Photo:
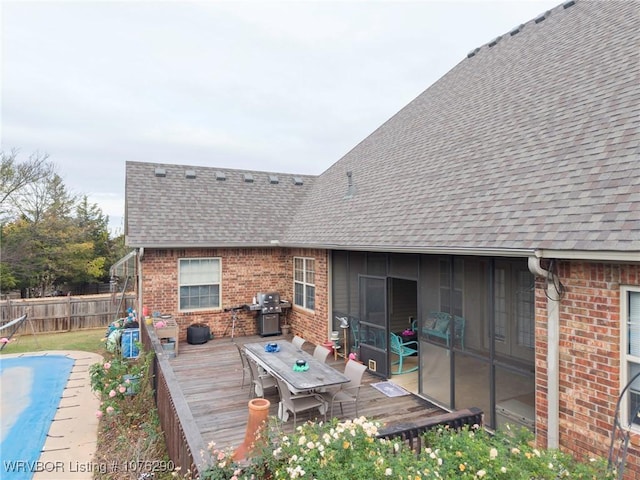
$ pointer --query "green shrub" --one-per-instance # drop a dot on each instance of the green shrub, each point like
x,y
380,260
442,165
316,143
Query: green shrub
x,y
350,449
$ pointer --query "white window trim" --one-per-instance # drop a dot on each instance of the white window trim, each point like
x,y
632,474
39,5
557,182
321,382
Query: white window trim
x,y
219,307
626,358
303,283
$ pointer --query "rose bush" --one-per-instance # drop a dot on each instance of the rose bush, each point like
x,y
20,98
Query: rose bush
x,y
116,379
350,449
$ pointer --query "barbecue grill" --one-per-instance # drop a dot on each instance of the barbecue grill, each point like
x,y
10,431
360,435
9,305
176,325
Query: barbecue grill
x,y
269,302
269,308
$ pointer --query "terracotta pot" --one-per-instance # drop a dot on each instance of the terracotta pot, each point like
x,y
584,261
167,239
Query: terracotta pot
x,y
258,413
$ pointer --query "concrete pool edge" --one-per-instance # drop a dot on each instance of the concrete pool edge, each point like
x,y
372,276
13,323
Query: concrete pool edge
x,y
69,450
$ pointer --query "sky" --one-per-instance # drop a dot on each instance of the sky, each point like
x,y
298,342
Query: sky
x,y
285,87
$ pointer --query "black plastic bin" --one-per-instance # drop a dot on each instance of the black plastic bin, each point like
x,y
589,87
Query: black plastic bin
x,y
198,334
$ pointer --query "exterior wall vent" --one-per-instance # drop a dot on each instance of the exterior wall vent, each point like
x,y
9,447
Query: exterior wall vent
x,y
160,172
190,174
495,41
248,178
518,29
220,176
273,179
298,181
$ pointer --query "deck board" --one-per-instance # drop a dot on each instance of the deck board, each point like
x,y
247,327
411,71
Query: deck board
x,y
210,376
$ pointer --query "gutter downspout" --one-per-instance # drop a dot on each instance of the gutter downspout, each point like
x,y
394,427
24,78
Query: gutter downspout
x,y
139,279
553,355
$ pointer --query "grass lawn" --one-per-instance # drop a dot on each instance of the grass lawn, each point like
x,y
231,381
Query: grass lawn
x,y
83,340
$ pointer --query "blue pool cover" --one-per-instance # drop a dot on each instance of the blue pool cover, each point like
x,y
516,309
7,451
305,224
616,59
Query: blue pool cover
x,y
31,390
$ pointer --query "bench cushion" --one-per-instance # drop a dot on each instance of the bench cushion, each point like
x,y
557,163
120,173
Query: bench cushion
x,y
441,325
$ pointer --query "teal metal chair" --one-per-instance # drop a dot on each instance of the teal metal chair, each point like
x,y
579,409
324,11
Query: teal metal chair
x,y
402,350
355,335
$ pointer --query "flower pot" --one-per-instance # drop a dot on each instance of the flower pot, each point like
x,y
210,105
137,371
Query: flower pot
x,y
285,329
258,413
198,334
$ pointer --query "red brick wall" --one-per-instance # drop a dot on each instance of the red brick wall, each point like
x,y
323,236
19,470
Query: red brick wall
x,y
313,326
589,358
245,272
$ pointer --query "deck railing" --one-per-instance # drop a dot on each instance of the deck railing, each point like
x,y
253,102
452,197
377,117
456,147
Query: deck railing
x,y
412,433
184,443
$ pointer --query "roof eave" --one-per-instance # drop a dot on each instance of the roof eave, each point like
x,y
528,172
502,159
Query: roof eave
x,y
185,245
477,251
591,255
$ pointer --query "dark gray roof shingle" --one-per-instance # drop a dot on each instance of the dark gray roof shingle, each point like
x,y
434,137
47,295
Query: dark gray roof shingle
x,y
530,143
176,211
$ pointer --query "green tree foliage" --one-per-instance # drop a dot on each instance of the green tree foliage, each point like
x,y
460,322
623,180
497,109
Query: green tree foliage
x,y
94,225
49,237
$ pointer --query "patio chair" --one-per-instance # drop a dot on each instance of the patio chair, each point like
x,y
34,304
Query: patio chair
x,y
296,403
350,391
245,364
297,342
402,350
321,353
260,379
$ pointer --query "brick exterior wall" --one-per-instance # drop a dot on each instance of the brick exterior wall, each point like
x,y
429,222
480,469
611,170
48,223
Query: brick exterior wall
x,y
589,358
245,272
313,326
589,329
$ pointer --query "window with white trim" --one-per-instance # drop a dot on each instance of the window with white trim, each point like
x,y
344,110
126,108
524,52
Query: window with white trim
x,y
304,277
630,316
199,283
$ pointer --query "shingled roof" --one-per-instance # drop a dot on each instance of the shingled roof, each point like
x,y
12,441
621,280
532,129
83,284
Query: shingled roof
x,y
531,142
179,206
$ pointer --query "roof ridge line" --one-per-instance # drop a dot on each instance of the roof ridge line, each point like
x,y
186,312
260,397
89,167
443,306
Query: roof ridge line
x,y
518,28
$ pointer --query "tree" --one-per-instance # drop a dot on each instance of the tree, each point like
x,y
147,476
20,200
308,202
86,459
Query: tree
x,y
50,238
48,196
94,226
15,176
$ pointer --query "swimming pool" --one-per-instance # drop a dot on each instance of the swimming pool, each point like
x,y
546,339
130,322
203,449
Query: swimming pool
x,y
30,392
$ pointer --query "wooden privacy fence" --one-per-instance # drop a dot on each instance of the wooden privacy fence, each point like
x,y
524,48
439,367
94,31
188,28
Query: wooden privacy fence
x,y
63,314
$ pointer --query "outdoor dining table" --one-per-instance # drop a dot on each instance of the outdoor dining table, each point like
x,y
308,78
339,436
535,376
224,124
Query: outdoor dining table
x,y
281,363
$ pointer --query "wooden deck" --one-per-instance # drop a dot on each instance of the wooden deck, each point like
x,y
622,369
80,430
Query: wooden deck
x,y
210,376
